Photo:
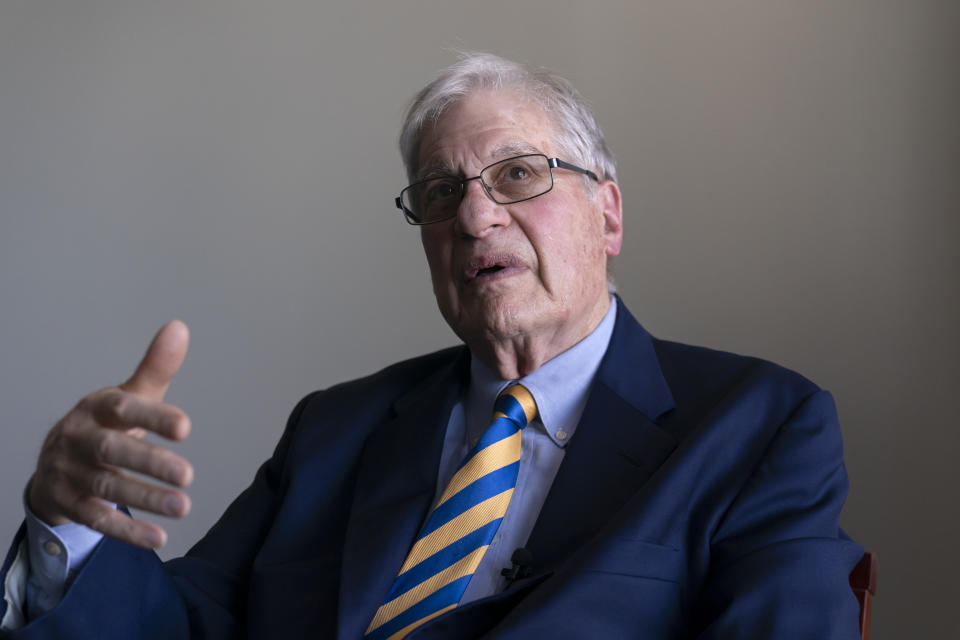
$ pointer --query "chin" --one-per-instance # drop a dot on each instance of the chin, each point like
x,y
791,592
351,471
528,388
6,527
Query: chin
x,y
491,318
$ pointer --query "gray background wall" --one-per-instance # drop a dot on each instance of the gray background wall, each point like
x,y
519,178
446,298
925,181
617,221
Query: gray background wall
x,y
789,170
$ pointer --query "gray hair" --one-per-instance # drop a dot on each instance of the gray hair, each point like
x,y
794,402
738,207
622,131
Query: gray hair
x,y
578,134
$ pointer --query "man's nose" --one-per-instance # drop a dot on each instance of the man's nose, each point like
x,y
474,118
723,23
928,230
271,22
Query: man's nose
x,y
478,213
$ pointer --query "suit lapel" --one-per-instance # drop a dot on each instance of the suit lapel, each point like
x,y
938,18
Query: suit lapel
x,y
616,448
396,483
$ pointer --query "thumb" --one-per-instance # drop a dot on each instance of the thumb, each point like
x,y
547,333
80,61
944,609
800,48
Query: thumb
x,y
161,361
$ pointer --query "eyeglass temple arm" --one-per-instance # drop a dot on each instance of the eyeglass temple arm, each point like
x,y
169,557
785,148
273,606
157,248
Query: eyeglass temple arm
x,y
557,162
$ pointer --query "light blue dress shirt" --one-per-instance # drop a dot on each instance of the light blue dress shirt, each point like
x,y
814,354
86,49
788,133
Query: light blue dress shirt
x,y
560,387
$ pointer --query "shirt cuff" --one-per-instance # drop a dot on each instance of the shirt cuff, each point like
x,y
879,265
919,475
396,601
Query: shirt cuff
x,y
14,590
56,554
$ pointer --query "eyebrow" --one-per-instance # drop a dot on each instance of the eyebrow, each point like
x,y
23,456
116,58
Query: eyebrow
x,y
509,149
436,169
439,168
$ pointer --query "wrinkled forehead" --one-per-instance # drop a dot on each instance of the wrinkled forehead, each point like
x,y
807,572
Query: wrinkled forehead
x,y
439,165
482,128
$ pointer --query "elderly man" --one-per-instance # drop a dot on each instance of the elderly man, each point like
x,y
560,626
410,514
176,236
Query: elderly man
x,y
625,487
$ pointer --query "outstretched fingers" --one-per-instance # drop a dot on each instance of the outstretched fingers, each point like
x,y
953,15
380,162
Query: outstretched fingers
x,y
119,409
106,519
86,457
161,362
117,449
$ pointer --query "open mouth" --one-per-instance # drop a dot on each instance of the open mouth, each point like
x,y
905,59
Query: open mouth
x,y
491,266
489,270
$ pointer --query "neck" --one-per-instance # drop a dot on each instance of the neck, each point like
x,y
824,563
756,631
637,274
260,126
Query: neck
x,y
513,357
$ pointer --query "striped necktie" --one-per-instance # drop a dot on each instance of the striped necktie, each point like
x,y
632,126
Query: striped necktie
x,y
460,527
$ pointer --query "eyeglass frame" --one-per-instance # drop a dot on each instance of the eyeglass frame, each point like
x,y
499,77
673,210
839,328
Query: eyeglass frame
x,y
552,163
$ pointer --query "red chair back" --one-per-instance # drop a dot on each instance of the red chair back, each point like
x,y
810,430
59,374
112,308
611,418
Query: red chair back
x,y
863,581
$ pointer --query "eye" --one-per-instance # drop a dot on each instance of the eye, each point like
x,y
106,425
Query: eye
x,y
440,190
516,172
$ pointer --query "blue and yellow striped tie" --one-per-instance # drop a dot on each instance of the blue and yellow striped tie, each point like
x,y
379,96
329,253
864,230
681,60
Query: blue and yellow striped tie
x,y
460,527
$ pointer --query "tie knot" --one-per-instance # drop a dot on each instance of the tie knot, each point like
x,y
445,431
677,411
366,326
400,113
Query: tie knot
x,y
516,403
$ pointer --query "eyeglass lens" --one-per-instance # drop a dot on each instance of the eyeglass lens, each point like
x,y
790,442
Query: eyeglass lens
x,y
507,181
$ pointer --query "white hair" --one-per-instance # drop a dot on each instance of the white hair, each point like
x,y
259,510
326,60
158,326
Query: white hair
x,y
577,133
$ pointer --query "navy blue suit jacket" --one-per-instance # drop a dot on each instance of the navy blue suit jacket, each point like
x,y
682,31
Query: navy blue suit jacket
x,y
698,498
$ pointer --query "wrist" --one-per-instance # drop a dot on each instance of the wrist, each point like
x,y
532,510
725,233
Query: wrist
x,y
39,507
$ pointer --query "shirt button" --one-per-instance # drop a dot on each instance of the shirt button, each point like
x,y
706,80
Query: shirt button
x,y
52,548
561,434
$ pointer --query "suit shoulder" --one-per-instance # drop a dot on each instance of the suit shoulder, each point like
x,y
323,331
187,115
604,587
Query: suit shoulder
x,y
700,372
385,386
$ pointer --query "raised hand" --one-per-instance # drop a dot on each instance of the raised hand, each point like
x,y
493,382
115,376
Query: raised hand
x,y
86,457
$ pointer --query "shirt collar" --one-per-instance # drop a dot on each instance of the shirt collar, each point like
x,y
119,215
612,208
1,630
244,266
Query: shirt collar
x,y
560,387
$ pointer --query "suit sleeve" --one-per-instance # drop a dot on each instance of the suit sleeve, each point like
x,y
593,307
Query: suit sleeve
x,y
125,592
779,562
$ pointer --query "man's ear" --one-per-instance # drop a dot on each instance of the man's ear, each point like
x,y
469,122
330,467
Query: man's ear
x,y
608,198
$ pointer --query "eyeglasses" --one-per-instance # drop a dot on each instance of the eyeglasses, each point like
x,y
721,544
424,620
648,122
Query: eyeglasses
x,y
505,182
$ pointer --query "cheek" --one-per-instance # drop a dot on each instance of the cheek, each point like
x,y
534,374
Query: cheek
x,y
579,258
571,244
438,255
